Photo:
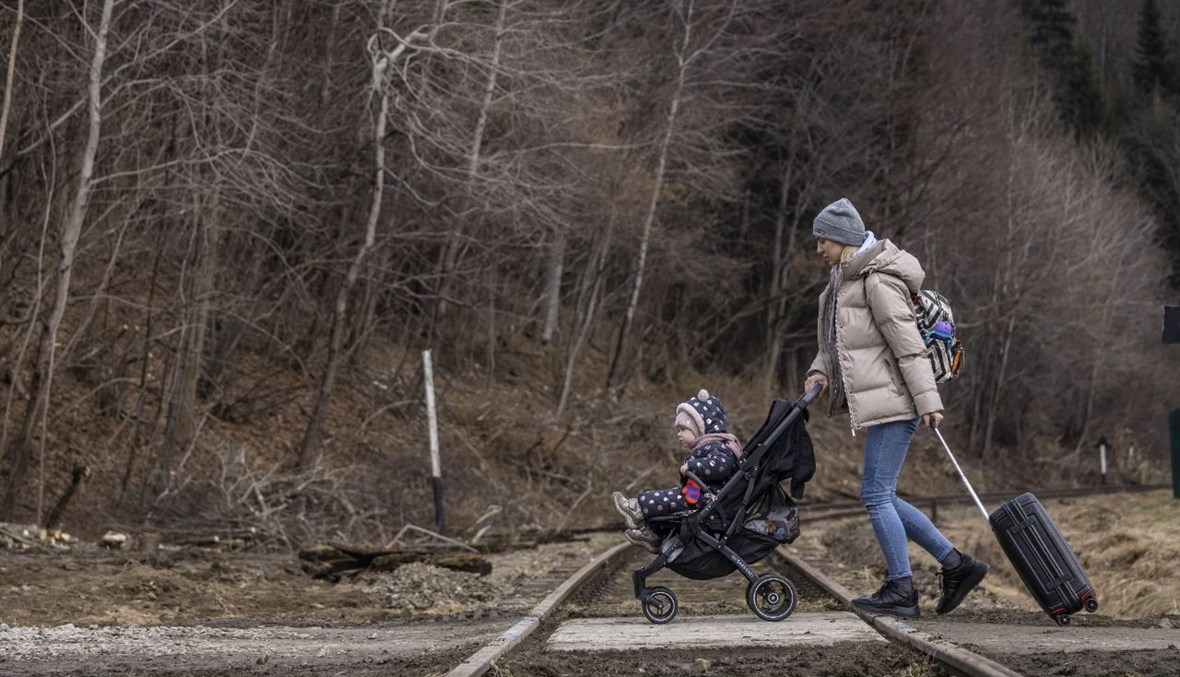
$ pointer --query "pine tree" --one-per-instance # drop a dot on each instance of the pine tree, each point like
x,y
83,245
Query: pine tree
x,y
1152,68
1152,141
1068,64
1050,26
1084,107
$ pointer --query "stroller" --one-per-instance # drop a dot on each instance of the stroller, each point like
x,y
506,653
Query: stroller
x,y
748,517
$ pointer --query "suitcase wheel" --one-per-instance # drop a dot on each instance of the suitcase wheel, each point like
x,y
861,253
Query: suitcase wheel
x,y
1062,619
1091,605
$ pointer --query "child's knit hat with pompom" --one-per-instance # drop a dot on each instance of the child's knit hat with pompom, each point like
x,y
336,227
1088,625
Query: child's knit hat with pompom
x,y
702,414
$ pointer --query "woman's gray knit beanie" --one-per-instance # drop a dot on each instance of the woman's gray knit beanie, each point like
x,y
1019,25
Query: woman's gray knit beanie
x,y
840,222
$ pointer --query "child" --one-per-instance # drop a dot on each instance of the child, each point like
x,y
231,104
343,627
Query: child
x,y
701,426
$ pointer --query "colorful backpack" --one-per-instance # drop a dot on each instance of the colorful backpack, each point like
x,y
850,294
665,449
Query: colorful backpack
x,y
936,324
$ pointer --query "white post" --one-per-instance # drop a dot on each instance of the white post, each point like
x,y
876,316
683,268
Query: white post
x,y
432,419
1102,460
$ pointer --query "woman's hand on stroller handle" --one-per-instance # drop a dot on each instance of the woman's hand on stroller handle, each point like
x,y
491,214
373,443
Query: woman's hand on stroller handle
x,y
815,378
814,386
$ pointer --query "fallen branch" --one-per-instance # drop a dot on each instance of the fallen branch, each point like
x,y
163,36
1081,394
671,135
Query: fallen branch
x,y
438,538
330,560
30,536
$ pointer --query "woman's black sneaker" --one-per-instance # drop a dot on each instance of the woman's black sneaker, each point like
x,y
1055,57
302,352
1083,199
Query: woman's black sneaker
x,y
890,600
957,582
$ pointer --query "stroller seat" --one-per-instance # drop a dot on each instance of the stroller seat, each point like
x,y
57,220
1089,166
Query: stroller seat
x,y
745,521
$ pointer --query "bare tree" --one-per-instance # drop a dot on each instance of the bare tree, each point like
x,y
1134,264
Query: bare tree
x,y
9,77
382,63
180,423
703,48
553,285
70,230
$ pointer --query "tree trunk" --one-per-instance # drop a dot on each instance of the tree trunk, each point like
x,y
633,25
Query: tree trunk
x,y
137,421
553,284
596,270
313,435
455,240
329,50
10,76
1001,374
181,422
82,334
776,311
654,201
490,359
71,229
1099,358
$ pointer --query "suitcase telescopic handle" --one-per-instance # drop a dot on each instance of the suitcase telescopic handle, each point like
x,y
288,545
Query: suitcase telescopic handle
x,y
962,475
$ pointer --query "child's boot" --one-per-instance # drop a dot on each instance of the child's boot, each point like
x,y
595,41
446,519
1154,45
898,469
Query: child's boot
x,y
644,538
629,509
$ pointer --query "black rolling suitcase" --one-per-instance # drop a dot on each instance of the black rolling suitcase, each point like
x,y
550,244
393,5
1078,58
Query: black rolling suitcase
x,y
1049,568
1037,550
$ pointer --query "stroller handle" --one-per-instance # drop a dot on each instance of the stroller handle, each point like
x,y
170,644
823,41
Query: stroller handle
x,y
810,395
756,452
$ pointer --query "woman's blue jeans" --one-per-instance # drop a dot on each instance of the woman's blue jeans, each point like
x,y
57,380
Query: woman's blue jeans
x,y
894,520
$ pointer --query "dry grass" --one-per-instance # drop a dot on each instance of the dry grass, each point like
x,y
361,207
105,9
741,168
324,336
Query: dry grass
x,y
1128,544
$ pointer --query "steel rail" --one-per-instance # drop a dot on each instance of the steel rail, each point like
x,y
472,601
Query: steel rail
x,y
956,657
481,661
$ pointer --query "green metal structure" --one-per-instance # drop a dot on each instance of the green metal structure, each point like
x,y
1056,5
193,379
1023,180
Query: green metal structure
x,y
1174,426
1172,335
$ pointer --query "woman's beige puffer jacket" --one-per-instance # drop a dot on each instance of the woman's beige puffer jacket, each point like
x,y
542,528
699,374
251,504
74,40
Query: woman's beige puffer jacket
x,y
880,370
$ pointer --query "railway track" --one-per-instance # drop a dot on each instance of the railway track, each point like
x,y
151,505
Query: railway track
x,y
601,595
603,588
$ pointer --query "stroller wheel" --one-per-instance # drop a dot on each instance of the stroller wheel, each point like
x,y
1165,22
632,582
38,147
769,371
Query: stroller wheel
x,y
771,597
660,606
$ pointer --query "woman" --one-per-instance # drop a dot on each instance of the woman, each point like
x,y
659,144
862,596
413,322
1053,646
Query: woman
x,y
871,354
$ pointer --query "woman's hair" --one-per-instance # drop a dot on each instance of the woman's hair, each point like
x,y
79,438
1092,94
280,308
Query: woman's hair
x,y
848,252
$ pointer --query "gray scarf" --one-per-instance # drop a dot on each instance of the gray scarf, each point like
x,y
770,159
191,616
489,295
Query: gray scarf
x,y
835,379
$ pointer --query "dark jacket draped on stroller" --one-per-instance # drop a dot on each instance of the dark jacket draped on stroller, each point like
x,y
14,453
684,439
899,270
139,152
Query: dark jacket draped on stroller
x,y
747,519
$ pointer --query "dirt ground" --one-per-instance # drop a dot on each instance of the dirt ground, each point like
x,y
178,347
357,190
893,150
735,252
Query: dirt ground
x,y
91,586
92,611
842,660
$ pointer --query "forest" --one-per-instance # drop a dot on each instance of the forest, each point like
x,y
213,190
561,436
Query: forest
x,y
230,228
